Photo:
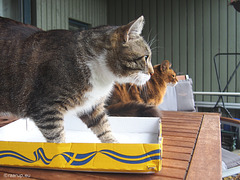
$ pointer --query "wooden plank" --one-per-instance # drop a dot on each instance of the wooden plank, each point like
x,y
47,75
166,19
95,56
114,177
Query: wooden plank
x,y
175,149
189,118
178,164
180,114
182,139
231,120
209,140
182,117
181,126
167,173
179,144
179,134
172,173
185,122
180,130
177,156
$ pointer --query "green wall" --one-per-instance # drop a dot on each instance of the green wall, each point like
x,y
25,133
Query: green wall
x,y
188,33
10,9
54,14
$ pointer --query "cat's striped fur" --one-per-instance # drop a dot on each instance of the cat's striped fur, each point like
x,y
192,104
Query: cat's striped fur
x,y
46,74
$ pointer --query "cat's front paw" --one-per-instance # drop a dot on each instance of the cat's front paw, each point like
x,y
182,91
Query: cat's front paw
x,y
109,140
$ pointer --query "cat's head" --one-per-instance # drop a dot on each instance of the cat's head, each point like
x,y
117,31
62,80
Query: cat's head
x,y
130,58
165,71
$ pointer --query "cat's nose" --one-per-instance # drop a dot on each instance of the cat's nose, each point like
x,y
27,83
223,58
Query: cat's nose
x,y
150,70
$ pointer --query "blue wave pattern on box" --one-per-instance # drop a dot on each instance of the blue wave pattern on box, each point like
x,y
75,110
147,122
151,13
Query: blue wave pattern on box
x,y
81,159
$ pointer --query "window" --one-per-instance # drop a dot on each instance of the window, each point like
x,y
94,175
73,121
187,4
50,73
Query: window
x,y
77,25
19,10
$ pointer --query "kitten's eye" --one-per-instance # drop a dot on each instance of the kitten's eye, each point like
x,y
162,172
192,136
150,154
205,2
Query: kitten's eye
x,y
146,57
173,75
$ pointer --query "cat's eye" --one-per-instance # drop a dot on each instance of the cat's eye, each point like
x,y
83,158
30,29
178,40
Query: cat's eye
x,y
146,57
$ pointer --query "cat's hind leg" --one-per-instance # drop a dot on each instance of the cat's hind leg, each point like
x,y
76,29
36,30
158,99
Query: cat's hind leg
x,y
51,124
97,121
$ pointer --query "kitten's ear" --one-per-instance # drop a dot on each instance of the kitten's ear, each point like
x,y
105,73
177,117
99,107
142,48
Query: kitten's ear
x,y
165,65
133,29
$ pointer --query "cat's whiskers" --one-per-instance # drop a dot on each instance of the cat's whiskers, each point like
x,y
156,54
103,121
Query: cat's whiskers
x,y
145,90
155,48
135,79
130,87
149,34
152,41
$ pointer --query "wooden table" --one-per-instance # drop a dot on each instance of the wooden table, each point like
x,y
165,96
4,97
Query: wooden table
x,y
191,150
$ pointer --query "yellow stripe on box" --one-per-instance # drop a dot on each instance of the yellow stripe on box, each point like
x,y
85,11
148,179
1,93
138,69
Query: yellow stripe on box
x,y
83,156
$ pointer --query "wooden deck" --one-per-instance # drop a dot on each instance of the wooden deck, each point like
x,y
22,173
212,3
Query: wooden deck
x,y
191,150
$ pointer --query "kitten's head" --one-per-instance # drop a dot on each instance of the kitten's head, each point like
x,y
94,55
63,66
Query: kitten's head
x,y
165,71
130,58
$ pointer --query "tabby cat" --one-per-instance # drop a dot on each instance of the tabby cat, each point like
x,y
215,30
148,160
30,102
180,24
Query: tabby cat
x,y
46,74
131,100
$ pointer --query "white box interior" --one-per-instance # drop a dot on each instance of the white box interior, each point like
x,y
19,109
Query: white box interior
x,y
125,129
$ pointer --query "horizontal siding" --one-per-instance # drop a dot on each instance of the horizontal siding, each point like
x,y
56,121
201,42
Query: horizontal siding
x,y
188,33
54,14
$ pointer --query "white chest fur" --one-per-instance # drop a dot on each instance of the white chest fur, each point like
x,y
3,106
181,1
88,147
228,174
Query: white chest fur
x,y
102,81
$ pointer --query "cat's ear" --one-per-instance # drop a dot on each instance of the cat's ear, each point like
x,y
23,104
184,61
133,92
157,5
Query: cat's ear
x,y
165,65
133,29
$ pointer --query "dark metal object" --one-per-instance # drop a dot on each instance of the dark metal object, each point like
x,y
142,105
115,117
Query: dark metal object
x,y
220,97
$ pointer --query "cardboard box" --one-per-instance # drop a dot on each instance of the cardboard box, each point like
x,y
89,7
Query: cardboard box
x,y
139,149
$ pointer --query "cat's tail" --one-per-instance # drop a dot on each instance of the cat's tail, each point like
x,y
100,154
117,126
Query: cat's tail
x,y
133,109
